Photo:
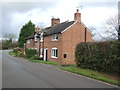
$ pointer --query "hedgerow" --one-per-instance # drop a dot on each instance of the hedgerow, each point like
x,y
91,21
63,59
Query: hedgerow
x,y
100,56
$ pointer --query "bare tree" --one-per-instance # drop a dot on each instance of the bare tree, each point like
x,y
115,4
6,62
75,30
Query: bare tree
x,y
96,35
111,28
9,36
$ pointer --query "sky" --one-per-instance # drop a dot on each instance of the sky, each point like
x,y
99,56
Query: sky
x,y
16,13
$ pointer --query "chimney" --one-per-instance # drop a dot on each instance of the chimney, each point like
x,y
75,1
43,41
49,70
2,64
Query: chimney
x,y
77,16
37,28
55,21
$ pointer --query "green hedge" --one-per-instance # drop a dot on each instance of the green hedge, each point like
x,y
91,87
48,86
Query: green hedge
x,y
102,56
30,52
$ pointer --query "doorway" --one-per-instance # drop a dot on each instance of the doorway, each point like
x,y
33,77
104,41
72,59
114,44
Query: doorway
x,y
45,54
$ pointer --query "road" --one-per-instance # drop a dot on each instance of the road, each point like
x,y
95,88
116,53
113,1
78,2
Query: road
x,y
20,73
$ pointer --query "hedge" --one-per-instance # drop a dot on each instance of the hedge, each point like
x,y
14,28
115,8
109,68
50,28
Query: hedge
x,y
100,56
30,52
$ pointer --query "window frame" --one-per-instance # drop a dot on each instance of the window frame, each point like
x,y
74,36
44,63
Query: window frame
x,y
35,38
55,37
28,41
54,53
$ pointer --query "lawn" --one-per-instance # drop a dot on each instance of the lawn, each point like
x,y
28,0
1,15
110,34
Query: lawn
x,y
93,74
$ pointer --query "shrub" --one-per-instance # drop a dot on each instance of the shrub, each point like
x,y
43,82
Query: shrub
x,y
19,54
12,53
30,52
35,57
102,56
15,50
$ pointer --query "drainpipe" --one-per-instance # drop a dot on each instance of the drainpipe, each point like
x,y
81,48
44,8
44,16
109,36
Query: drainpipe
x,y
43,46
85,33
24,48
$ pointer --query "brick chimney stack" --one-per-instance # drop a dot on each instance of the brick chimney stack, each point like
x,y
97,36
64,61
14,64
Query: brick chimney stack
x,y
77,16
55,21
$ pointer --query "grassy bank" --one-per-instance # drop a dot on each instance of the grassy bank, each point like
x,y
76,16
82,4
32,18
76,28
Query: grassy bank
x,y
94,74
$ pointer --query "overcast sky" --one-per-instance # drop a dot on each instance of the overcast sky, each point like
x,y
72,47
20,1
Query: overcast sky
x,y
16,14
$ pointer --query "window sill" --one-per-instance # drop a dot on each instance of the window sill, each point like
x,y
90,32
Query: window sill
x,y
54,40
41,41
54,57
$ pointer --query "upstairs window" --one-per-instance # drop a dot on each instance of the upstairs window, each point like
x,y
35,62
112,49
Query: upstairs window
x,y
55,37
54,53
35,37
28,41
41,38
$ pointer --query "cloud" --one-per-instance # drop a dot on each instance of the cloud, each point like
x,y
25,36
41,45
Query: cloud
x,y
97,16
16,14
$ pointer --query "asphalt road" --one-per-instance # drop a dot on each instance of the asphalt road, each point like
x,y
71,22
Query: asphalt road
x,y
20,73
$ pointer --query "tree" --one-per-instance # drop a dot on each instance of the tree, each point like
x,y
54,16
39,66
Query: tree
x,y
26,30
9,36
111,28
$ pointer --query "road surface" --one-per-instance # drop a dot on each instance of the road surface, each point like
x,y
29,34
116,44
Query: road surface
x,y
20,73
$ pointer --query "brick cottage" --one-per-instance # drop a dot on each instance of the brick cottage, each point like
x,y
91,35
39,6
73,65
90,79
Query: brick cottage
x,y
57,43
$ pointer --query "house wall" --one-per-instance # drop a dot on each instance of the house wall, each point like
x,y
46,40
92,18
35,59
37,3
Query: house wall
x,y
49,44
70,38
33,45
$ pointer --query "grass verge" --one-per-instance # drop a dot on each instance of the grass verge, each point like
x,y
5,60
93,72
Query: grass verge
x,y
93,74
45,62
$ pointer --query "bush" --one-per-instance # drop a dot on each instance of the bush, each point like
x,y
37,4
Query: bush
x,y
19,54
12,53
102,56
35,57
30,52
15,50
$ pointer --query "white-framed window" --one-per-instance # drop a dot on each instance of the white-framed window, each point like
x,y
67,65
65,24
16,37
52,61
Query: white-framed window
x,y
35,37
55,37
41,38
54,53
28,41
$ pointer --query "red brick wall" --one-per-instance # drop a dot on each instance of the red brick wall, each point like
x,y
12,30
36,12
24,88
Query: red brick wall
x,y
70,38
49,44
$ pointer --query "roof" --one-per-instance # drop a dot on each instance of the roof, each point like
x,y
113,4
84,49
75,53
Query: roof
x,y
86,28
30,37
57,28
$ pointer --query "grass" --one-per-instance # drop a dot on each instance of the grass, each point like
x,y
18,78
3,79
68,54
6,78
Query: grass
x,y
45,62
93,74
